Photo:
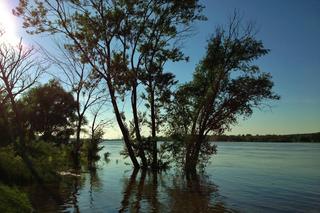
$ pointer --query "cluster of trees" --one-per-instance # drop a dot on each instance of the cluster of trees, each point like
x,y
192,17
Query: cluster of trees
x,y
31,115
126,44
116,51
18,73
30,111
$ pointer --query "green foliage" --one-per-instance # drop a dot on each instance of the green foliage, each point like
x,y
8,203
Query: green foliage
x,y
158,95
12,200
46,159
226,85
12,167
49,110
90,149
5,128
49,159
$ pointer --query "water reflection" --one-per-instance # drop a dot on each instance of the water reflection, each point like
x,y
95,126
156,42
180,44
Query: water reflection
x,y
56,196
94,184
74,195
151,192
196,194
137,191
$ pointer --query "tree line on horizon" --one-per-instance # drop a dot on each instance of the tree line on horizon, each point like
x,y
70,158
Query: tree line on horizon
x,y
307,137
115,52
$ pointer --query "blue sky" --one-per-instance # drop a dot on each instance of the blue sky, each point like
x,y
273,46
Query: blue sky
x,y
291,30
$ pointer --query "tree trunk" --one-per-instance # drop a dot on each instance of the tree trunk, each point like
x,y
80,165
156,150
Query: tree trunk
x,y
190,163
122,127
9,89
192,155
197,148
21,131
191,166
6,123
77,145
153,131
137,127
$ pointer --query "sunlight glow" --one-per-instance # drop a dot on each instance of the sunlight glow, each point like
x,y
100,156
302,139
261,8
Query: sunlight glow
x,y
7,24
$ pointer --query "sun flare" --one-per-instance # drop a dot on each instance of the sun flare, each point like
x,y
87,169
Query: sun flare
x,y
7,24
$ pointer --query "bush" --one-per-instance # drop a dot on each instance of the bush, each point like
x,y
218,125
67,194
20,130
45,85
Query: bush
x,y
12,167
13,200
46,158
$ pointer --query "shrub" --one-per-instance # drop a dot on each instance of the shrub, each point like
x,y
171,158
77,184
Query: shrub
x,y
46,159
12,167
13,200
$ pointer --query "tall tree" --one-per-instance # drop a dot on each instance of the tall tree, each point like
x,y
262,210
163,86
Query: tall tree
x,y
158,94
226,85
83,84
114,37
97,130
19,71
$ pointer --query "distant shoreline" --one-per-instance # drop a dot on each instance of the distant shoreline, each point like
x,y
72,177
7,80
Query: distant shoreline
x,y
292,138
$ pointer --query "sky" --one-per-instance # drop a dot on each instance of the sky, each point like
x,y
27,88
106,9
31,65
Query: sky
x,y
289,28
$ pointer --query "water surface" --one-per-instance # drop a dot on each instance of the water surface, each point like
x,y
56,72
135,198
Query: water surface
x,y
242,177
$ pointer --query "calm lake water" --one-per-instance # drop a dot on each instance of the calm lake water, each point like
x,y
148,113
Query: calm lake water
x,y
242,177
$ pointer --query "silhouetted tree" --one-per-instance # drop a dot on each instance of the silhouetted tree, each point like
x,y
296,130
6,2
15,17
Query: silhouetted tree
x,y
225,86
113,37
83,84
158,94
19,71
49,111
97,127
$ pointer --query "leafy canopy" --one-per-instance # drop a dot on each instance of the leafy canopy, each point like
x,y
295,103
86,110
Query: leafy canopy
x,y
49,110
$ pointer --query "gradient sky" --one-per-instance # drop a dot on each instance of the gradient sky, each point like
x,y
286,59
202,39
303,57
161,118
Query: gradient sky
x,y
291,30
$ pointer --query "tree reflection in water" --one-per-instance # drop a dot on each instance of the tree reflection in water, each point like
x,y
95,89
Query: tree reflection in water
x,y
65,192
74,195
94,184
138,191
164,192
